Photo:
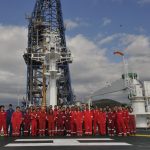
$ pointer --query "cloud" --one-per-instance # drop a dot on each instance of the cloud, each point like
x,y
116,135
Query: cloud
x,y
70,24
106,21
13,42
140,29
108,39
138,50
143,2
76,23
135,47
91,68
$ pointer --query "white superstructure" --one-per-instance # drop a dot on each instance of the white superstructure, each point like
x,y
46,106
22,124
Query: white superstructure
x,y
138,100
136,91
51,57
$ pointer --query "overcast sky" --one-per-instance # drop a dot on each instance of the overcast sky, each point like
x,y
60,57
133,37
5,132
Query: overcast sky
x,y
95,29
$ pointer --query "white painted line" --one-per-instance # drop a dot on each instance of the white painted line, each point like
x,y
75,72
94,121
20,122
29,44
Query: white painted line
x,y
93,139
67,144
64,140
32,140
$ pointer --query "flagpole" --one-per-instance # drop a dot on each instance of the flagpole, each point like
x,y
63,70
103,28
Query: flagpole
x,y
126,72
124,66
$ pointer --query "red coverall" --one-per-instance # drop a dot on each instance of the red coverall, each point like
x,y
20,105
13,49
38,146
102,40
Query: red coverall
x,y
42,122
126,120
102,123
37,128
3,124
120,123
111,123
115,122
73,123
95,120
79,121
55,121
88,117
50,118
16,122
60,122
132,124
33,116
68,123
26,123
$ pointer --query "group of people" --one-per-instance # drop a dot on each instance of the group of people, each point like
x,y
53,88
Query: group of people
x,y
67,121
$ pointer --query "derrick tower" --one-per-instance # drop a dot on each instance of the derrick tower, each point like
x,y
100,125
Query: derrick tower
x,y
47,57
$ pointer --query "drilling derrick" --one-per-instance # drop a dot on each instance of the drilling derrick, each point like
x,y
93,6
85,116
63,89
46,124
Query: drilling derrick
x,y
47,57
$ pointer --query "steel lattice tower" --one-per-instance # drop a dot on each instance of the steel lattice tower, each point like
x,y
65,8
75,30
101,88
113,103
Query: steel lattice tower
x,y
46,16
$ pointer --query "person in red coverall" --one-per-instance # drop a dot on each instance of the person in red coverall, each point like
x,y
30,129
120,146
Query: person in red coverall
x,y
38,110
3,124
111,122
102,122
72,121
33,116
16,121
26,122
132,122
88,117
115,109
50,119
42,121
95,120
68,121
55,119
120,122
83,108
79,121
61,121
126,119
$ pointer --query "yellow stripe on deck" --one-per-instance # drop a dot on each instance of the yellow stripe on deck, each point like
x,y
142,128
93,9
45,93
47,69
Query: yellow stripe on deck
x,y
142,135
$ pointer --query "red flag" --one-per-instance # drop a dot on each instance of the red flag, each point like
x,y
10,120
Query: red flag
x,y
118,53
